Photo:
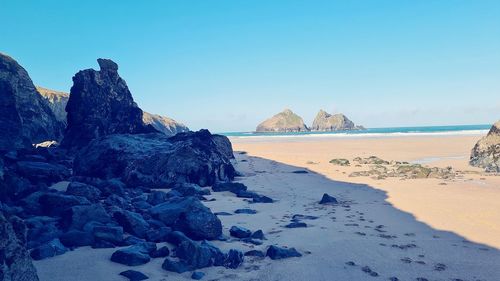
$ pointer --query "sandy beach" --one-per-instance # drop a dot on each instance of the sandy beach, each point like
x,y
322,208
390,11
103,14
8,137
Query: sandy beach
x,y
407,229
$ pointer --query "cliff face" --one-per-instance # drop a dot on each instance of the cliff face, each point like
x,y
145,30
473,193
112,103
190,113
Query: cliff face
x,y
164,124
337,122
285,121
57,102
101,104
486,152
26,117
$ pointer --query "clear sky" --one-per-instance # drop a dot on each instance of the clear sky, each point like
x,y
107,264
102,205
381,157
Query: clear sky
x,y
227,65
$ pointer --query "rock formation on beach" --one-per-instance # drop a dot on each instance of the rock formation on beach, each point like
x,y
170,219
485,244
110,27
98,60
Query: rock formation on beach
x,y
285,121
164,124
101,104
57,102
26,117
336,122
15,262
486,152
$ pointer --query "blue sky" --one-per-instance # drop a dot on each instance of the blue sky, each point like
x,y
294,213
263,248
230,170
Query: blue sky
x,y
227,65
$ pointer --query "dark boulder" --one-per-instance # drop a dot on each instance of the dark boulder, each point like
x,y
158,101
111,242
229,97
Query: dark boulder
x,y
240,232
234,187
38,172
262,199
158,235
200,255
77,217
275,252
255,253
26,117
55,203
245,211
111,234
197,275
296,225
155,161
224,146
190,216
233,259
38,234
131,256
76,238
15,261
132,223
157,197
90,192
101,104
176,266
190,189
133,275
327,199
259,234
50,249
160,252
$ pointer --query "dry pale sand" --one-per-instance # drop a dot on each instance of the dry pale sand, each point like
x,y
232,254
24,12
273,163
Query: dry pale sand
x,y
366,228
467,206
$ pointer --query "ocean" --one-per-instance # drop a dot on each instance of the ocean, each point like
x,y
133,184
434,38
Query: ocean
x,y
376,132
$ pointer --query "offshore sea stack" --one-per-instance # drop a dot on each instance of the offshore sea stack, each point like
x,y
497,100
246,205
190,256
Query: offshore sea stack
x,y
336,122
101,104
486,152
285,121
26,118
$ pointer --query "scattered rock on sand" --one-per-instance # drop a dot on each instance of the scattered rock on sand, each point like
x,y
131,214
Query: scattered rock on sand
x,y
327,199
133,275
245,211
296,225
275,252
240,232
340,162
197,275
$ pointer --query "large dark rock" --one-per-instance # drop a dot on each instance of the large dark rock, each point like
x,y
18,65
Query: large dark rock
x,y
133,275
50,249
55,203
176,266
101,104
132,223
77,217
190,216
15,262
90,192
155,161
132,256
275,252
486,152
224,145
200,255
38,172
327,199
26,117
240,232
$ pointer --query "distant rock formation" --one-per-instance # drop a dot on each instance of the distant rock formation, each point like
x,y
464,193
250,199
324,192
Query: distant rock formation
x,y
285,121
25,117
486,152
101,104
15,262
57,102
337,122
164,124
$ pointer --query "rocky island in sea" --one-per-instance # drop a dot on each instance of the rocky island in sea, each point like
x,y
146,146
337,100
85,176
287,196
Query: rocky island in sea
x,y
337,122
285,121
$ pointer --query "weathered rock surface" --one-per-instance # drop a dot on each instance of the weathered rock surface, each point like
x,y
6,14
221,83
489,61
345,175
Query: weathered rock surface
x,y
153,160
101,104
26,118
285,121
336,122
486,152
57,102
15,262
164,124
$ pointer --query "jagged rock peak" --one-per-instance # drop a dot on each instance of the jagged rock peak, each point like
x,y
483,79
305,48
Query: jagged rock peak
x,y
57,102
107,65
101,104
486,152
285,121
336,122
164,124
26,117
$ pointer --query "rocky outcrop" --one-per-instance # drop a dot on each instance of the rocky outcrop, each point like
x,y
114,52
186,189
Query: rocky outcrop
x,y
164,124
101,104
486,152
26,117
285,121
337,122
15,262
154,160
57,102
